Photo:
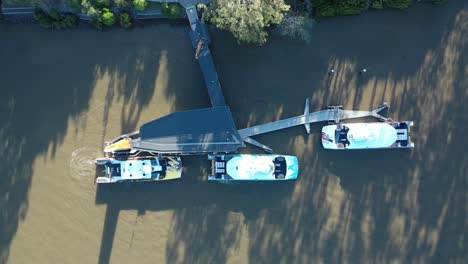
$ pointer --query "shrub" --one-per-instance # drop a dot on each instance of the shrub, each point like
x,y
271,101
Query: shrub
x,y
107,17
352,7
377,4
122,3
70,20
55,20
43,19
97,23
125,20
75,5
140,5
296,27
89,9
171,10
101,3
345,7
398,4
55,15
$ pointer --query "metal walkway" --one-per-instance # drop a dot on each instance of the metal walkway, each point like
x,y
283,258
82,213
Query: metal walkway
x,y
200,41
333,115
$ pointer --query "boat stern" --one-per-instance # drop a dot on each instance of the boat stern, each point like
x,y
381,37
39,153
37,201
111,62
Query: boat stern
x,y
218,168
328,137
403,130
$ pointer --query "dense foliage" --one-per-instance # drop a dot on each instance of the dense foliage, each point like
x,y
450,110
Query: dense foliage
x,y
55,20
101,3
327,8
399,4
378,4
122,3
88,8
107,17
97,24
297,27
246,20
140,5
171,10
125,20
75,5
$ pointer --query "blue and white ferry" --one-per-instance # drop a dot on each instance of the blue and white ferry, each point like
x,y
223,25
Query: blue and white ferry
x,y
243,167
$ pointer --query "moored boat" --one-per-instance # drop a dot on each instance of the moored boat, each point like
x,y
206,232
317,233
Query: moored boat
x,y
376,135
140,168
243,167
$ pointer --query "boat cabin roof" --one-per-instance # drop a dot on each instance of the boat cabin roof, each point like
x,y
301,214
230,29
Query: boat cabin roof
x,y
134,169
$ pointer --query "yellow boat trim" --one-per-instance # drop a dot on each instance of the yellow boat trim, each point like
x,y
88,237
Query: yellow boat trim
x,y
123,144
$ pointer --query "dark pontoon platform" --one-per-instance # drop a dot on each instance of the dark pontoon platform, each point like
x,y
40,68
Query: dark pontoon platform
x,y
208,130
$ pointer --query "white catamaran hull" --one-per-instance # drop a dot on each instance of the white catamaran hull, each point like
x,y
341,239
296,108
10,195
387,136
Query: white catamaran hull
x,y
367,135
135,169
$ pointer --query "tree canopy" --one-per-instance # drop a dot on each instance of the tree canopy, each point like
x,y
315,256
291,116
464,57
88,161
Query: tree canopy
x,y
246,19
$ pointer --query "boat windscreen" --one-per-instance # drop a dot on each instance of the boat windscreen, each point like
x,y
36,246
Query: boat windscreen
x,y
113,170
280,167
341,135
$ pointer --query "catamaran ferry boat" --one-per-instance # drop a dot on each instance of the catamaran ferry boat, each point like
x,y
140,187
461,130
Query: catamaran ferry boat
x,y
375,135
140,168
240,167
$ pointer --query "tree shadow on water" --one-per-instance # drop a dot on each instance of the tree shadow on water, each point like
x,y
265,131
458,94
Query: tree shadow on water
x,y
35,107
386,206
203,211
45,84
368,207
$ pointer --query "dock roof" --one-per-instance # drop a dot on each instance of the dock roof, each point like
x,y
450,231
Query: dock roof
x,y
197,131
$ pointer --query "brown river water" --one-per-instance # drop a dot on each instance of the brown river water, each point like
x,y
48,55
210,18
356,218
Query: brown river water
x,y
64,92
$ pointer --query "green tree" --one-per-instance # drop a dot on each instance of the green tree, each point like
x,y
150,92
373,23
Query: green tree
x,y
140,5
101,3
125,20
108,18
247,20
399,4
97,23
296,26
171,10
1,14
123,4
55,20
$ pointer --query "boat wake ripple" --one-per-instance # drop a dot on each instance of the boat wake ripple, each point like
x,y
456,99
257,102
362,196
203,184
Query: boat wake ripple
x,y
82,163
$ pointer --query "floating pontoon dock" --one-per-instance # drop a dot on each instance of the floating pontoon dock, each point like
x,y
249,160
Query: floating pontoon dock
x,y
212,130
333,115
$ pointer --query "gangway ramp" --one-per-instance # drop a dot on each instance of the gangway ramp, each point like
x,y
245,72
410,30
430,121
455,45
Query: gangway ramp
x,y
333,115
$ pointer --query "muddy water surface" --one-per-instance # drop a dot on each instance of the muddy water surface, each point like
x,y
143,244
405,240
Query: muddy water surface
x,y
64,92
